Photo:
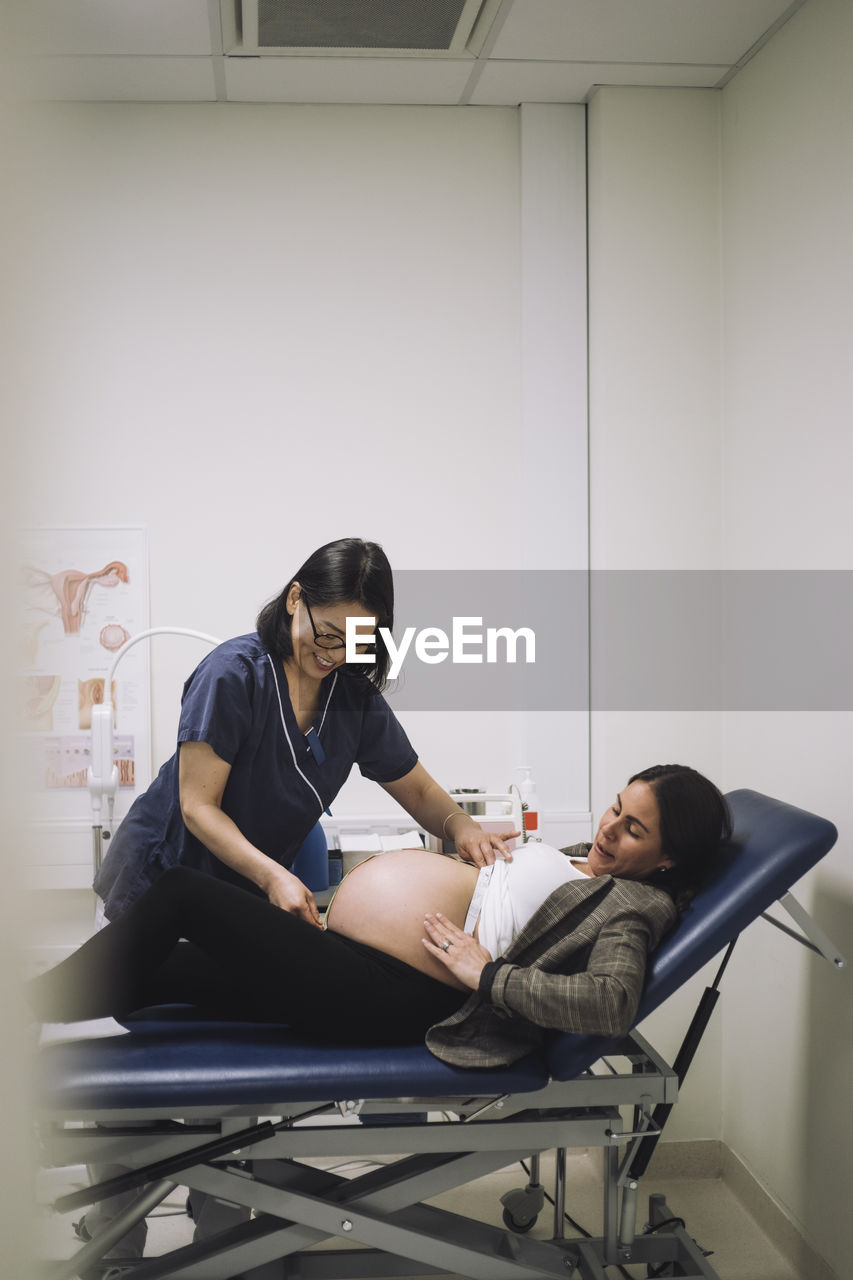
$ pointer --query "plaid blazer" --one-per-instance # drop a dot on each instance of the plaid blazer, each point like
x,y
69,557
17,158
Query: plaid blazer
x,y
578,965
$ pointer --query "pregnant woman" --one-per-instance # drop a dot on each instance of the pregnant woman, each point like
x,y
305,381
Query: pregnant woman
x,y
477,962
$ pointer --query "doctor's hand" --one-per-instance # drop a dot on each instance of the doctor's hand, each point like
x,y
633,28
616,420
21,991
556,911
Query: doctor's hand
x,y
473,844
286,891
458,951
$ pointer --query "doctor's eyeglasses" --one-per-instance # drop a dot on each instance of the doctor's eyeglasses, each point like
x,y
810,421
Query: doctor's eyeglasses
x,y
322,638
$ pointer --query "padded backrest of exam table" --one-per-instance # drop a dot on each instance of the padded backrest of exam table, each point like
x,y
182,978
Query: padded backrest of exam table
x,y
169,1064
773,844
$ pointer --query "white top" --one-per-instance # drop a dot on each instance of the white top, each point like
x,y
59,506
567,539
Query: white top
x,y
508,893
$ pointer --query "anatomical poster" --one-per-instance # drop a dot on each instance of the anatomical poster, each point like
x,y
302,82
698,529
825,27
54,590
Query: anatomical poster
x,y
83,596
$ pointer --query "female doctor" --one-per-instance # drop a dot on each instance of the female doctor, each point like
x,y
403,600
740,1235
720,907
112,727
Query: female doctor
x,y
271,724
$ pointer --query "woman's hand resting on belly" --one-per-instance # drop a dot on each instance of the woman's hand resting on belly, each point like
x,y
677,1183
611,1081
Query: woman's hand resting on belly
x,y
458,951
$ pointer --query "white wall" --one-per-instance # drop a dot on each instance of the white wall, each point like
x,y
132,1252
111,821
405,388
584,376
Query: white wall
x,y
17,1158
255,329
787,182
720,279
654,278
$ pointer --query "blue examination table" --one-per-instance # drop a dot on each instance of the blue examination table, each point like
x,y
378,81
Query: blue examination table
x,y
251,1114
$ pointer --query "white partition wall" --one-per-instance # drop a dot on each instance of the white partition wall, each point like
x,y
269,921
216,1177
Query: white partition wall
x,y
788,451
654,437
553,519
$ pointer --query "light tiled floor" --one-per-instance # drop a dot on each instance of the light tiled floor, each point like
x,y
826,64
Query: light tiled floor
x,y
739,1249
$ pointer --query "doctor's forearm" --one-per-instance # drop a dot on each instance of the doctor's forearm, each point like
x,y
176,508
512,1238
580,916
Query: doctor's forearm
x,y
221,835
438,813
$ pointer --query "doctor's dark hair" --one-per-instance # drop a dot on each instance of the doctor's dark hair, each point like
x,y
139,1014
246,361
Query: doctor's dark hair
x,y
694,822
348,571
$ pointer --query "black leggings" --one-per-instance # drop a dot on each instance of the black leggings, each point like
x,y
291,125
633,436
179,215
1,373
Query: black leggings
x,y
240,957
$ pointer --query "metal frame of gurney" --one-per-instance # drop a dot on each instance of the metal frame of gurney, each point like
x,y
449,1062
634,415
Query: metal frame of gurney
x,y
446,1126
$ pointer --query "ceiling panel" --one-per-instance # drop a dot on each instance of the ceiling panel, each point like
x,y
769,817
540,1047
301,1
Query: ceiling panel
x,y
523,51
408,81
506,84
99,27
653,31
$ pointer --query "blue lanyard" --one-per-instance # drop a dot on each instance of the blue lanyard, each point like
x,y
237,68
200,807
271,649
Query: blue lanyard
x,y
317,751
316,747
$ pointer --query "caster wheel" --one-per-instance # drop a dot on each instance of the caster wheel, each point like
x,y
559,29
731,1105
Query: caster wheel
x,y
520,1228
522,1207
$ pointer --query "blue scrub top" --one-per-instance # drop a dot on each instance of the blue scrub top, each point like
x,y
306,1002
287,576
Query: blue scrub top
x,y
238,703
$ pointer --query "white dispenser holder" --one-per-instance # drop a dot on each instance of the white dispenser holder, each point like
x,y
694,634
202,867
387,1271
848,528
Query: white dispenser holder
x,y
102,776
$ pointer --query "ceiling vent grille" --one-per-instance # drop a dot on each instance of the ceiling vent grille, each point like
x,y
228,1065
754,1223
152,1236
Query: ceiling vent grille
x,y
425,27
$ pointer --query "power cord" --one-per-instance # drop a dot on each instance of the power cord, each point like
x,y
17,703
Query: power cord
x,y
671,1222
572,1223
650,1230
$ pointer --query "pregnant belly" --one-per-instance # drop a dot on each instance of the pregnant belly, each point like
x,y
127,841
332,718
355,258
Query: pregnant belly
x,y
383,901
